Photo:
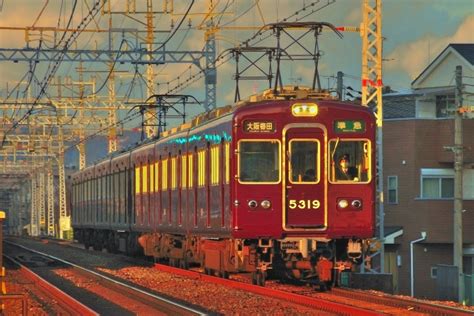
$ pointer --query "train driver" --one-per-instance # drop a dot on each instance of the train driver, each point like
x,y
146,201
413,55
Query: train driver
x,y
346,171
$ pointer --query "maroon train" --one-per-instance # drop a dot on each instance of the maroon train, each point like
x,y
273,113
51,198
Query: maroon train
x,y
281,185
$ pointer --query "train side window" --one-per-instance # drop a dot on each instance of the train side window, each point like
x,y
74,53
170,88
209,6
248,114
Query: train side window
x,y
215,150
227,162
164,174
152,177
144,179
137,179
104,197
201,168
117,192
174,182
350,160
259,161
157,187
184,175
190,171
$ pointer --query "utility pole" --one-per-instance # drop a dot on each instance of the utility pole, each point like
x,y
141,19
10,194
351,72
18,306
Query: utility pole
x,y
371,33
458,196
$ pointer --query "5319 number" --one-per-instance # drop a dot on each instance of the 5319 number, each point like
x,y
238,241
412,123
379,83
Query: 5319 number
x,y
304,204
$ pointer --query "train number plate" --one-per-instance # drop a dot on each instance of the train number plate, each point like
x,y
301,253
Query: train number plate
x,y
304,204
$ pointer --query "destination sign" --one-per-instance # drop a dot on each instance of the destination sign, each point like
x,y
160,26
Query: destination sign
x,y
259,126
349,126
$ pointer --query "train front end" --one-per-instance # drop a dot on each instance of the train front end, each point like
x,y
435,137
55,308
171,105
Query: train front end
x,y
304,189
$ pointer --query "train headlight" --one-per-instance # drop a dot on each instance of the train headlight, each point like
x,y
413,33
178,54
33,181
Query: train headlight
x,y
252,204
356,204
304,109
266,204
343,203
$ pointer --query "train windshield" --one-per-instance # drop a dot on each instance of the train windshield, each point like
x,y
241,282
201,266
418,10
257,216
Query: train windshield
x,y
304,155
350,160
259,161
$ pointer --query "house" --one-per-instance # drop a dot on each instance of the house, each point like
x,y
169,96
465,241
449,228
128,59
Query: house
x,y
418,133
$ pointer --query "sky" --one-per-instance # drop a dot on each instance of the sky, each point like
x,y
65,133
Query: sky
x,y
415,32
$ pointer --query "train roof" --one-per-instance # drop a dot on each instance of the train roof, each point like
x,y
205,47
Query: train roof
x,y
287,93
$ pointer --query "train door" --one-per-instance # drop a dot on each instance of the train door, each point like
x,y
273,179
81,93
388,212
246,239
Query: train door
x,y
304,182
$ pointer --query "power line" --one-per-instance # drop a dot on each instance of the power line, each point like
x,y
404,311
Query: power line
x,y
84,23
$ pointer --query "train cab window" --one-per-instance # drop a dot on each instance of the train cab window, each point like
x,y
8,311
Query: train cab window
x,y
349,160
304,161
259,161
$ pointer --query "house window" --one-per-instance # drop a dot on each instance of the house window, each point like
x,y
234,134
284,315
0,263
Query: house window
x,y
445,105
434,272
437,183
392,189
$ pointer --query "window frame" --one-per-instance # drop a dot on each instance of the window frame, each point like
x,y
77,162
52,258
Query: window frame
x,y
329,161
440,187
317,162
270,140
389,189
446,102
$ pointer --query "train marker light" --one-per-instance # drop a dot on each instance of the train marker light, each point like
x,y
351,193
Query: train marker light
x,y
304,109
266,204
343,203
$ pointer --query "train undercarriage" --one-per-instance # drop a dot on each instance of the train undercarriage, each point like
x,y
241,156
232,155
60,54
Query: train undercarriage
x,y
317,262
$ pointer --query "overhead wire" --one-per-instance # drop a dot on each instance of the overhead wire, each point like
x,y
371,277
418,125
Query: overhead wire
x,y
198,75
161,46
96,8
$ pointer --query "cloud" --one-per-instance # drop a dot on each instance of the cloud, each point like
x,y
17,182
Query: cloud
x,y
412,57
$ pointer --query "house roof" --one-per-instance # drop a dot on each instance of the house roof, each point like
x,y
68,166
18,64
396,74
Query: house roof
x,y
463,50
466,51
399,106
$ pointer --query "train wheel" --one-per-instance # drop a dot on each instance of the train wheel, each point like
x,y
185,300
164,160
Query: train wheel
x,y
183,264
259,278
224,274
254,278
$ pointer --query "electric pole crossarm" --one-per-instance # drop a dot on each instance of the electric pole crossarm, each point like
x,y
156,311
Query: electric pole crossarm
x,y
103,56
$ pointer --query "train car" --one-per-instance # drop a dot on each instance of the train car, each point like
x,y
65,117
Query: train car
x,y
280,185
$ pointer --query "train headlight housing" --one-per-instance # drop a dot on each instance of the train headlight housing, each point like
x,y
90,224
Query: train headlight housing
x,y
304,109
252,204
356,204
343,203
266,204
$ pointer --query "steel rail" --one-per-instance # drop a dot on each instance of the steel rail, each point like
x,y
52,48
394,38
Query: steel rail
x,y
65,301
298,299
150,299
412,305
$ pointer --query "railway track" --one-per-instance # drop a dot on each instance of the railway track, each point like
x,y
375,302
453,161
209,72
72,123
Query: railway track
x,y
323,300
317,303
100,288
64,304
411,305
337,301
